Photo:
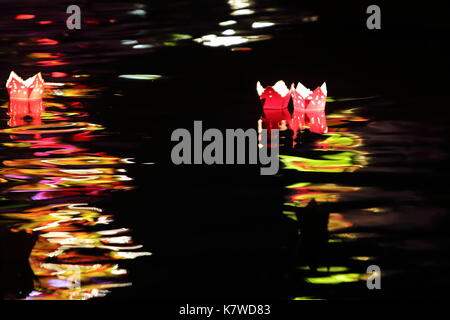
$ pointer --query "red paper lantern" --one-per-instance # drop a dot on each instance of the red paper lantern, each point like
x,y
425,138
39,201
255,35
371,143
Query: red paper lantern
x,y
30,89
274,97
309,107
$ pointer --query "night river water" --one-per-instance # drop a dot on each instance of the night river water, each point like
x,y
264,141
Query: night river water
x,y
92,207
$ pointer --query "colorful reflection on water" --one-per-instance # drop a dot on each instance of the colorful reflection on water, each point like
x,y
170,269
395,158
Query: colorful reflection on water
x,y
78,250
338,151
52,173
304,192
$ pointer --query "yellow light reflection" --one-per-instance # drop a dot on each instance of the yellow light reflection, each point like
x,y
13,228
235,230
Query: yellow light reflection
x,y
302,193
335,279
338,162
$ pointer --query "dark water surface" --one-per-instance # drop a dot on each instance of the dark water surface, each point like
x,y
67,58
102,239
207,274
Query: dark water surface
x,y
90,191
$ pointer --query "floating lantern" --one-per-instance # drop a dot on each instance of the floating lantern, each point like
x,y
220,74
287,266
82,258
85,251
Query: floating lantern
x,y
30,89
315,110
274,97
309,107
299,95
25,99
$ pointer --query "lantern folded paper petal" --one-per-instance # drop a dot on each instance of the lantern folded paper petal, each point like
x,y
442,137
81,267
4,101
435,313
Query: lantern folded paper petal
x,y
315,110
299,96
30,89
298,119
309,107
274,97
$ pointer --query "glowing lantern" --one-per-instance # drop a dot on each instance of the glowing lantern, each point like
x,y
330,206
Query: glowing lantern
x,y
309,107
30,89
274,97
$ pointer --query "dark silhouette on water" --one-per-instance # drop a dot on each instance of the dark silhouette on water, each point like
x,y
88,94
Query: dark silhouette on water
x,y
313,226
17,275
286,139
306,139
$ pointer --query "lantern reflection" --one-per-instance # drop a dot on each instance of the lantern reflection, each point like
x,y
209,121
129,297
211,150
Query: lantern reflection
x,y
25,112
78,248
337,151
